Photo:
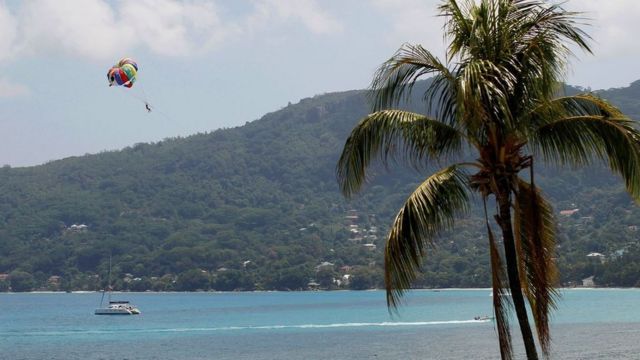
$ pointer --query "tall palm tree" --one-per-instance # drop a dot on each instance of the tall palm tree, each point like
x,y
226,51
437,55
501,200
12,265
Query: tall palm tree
x,y
496,97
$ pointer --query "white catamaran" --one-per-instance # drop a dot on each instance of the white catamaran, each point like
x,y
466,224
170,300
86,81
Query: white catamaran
x,y
115,307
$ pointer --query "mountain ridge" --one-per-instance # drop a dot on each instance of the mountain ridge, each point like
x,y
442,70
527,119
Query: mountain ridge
x,y
258,207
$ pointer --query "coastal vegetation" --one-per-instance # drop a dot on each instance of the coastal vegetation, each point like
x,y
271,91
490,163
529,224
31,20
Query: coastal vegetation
x,y
494,112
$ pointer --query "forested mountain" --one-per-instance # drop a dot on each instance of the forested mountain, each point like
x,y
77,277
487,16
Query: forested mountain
x,y
258,207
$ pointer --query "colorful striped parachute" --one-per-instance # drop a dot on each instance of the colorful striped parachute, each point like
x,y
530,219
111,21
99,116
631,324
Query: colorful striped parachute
x,y
123,73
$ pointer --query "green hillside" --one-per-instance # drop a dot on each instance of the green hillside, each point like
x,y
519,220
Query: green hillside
x,y
258,207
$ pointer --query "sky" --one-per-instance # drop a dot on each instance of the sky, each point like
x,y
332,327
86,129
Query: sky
x,y
206,65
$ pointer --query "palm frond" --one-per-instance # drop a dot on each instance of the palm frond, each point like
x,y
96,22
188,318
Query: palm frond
x,y
394,80
458,26
585,104
541,35
535,240
396,134
579,139
428,210
553,21
484,88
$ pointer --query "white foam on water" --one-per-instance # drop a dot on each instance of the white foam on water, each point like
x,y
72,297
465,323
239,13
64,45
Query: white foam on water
x,y
240,328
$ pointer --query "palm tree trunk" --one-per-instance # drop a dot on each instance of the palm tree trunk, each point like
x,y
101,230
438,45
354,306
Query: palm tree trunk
x,y
504,221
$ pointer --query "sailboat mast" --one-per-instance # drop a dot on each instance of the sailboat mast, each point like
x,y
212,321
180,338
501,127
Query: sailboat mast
x,y
109,277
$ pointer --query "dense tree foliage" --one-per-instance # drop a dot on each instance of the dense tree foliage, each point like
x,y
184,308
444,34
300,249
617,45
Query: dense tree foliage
x,y
258,207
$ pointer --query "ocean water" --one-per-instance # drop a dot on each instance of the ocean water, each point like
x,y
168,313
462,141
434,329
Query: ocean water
x,y
588,324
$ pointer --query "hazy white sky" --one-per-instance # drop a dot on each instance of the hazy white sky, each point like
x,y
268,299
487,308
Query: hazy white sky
x,y
211,64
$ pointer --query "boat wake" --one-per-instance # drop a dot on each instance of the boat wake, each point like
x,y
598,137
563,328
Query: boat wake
x,y
237,328
339,325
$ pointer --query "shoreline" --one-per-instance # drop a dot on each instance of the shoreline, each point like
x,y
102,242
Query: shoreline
x,y
297,291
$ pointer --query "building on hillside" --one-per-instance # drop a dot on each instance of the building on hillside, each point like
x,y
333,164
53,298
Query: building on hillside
x,y
346,279
352,216
370,246
597,256
324,265
78,228
313,285
568,212
352,225
588,282
618,253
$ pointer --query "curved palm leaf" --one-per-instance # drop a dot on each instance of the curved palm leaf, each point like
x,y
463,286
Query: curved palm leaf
x,y
576,140
393,133
544,112
540,54
522,42
550,20
428,210
394,80
534,230
458,26
541,51
484,89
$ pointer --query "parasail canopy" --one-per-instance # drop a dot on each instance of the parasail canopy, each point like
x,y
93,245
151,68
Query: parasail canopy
x,y
123,73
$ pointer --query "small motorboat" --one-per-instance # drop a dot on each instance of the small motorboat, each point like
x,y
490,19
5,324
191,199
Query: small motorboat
x,y
482,318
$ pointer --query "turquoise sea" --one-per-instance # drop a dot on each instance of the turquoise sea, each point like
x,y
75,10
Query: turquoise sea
x,y
588,324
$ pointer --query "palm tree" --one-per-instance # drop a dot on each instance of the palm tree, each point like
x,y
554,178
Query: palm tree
x,y
496,97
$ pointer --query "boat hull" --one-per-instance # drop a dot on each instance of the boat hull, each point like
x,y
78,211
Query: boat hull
x,y
118,308
113,312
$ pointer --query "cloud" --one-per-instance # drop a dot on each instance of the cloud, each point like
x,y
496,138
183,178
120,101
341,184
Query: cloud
x,y
307,12
169,27
614,25
413,21
99,29
8,32
104,29
9,89
86,29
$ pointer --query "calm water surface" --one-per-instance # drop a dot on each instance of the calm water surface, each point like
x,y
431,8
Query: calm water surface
x,y
589,324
